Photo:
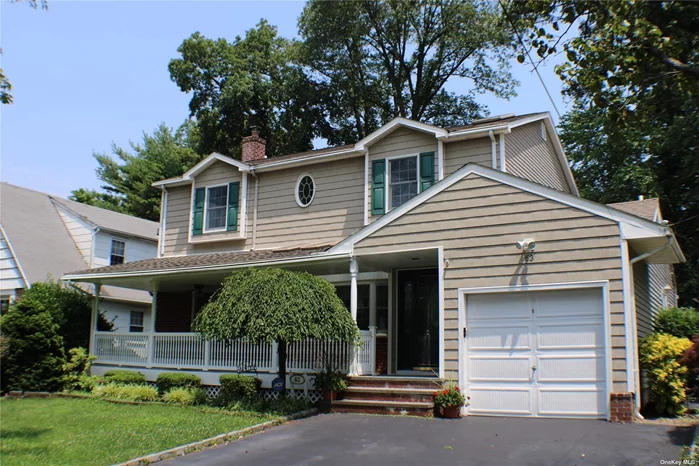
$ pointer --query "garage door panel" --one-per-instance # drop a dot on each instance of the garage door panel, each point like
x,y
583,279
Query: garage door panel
x,y
585,369
499,369
569,303
506,306
571,335
499,337
501,400
572,402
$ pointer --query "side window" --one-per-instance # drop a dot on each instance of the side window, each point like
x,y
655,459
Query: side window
x,y
402,181
136,322
118,252
216,207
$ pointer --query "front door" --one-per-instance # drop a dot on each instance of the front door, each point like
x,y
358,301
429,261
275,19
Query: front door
x,y
417,331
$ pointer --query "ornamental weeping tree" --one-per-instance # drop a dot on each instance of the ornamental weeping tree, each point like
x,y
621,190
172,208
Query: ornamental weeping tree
x,y
268,305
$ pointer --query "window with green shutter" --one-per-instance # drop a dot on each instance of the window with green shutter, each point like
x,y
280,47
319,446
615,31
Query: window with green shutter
x,y
233,201
426,170
198,211
378,187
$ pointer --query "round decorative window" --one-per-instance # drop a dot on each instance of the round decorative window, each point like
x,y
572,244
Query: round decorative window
x,y
305,190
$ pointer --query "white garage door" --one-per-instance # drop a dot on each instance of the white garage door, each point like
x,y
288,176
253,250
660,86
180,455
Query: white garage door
x,y
536,353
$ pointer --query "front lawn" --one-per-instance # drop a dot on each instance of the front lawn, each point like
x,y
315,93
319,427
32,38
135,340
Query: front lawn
x,y
69,431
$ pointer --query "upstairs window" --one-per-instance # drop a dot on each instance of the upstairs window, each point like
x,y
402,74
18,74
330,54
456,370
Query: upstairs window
x,y
216,207
136,321
118,252
402,180
305,190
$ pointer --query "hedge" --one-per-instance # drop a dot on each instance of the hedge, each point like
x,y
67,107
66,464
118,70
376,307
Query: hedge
x,y
169,380
125,377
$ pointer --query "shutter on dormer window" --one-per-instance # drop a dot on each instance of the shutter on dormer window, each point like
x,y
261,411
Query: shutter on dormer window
x,y
233,197
378,187
198,211
426,170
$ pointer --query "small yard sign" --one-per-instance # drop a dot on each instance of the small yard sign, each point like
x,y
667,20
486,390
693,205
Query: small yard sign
x,y
278,384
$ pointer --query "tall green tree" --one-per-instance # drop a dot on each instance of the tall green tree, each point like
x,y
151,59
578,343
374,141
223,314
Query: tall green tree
x,y
128,178
634,66
253,81
377,60
268,305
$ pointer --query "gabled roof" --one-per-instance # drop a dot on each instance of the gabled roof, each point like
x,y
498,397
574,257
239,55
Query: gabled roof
x,y
646,208
632,226
41,243
110,220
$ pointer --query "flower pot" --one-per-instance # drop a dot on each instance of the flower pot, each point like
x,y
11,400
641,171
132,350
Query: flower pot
x,y
450,412
328,395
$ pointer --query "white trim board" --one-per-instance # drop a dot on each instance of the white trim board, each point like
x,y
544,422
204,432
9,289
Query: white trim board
x,y
625,220
606,311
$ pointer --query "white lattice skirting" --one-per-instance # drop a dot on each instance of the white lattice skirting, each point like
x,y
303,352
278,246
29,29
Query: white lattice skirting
x,y
266,394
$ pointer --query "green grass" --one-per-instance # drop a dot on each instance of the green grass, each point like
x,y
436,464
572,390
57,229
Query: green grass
x,y
69,431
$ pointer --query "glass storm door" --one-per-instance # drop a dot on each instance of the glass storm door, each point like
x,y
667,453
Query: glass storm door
x,y
417,320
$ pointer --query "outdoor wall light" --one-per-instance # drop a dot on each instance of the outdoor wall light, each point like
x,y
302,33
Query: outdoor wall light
x,y
527,246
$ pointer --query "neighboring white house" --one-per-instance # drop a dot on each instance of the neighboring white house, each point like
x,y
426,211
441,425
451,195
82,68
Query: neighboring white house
x,y
44,236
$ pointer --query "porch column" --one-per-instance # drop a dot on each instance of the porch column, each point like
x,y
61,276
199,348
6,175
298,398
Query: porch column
x,y
151,330
372,325
94,317
354,271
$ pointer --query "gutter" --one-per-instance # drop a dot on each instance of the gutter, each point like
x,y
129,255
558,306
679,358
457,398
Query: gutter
x,y
91,278
636,368
472,134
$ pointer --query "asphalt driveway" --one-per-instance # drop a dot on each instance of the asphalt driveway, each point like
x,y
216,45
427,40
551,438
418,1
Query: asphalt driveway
x,y
356,440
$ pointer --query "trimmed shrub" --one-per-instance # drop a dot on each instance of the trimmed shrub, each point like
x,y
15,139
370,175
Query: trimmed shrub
x,y
125,377
77,370
169,380
660,356
236,387
34,355
682,322
186,396
127,392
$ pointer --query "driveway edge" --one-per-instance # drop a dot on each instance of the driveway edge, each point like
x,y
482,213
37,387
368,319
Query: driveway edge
x,y
217,440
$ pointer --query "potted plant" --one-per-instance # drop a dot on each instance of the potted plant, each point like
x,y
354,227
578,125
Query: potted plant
x,y
449,400
330,383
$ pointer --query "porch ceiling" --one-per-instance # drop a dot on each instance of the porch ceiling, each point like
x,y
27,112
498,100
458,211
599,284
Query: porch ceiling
x,y
411,259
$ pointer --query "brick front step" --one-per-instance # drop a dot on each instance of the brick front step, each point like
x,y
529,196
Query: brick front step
x,y
395,408
395,382
388,394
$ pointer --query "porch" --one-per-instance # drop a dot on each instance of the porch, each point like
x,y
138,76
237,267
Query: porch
x,y
394,299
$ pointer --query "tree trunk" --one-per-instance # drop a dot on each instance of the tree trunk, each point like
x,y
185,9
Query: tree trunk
x,y
282,365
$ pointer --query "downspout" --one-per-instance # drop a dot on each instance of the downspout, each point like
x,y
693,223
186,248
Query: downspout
x,y
92,248
254,209
366,187
163,221
503,166
493,154
636,368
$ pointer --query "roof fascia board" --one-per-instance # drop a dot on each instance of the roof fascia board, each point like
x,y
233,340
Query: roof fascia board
x,y
206,268
347,245
393,124
558,148
338,155
474,133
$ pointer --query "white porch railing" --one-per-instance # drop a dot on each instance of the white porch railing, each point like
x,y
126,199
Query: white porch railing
x,y
190,351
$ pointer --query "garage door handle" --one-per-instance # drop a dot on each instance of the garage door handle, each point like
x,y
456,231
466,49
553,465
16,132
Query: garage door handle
x,y
533,368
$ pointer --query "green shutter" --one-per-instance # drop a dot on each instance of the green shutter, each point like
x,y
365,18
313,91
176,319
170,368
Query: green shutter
x,y
198,211
426,170
378,187
233,196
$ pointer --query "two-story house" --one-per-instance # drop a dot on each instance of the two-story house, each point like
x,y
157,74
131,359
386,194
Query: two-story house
x,y
43,237
462,253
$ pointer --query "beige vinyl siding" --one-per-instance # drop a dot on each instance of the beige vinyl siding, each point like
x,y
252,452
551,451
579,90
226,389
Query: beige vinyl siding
x,y
401,142
660,276
460,153
641,293
528,156
179,210
477,221
335,213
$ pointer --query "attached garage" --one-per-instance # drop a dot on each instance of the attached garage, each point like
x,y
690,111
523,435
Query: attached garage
x,y
537,353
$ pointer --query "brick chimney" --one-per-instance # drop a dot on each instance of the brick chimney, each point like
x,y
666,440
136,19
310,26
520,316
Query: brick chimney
x,y
253,146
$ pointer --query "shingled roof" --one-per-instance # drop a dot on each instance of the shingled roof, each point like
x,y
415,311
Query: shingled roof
x,y
644,208
196,261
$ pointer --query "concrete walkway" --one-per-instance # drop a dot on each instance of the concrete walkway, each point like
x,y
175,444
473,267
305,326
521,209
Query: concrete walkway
x,y
356,440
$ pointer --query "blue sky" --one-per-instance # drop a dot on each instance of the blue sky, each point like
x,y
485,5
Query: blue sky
x,y
89,74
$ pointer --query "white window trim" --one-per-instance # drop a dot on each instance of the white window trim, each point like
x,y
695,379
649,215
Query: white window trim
x,y
296,190
111,244
143,320
387,176
205,227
